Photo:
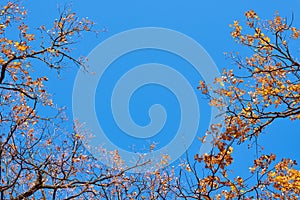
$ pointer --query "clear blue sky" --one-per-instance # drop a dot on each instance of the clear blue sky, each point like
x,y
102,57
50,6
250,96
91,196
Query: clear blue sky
x,y
205,21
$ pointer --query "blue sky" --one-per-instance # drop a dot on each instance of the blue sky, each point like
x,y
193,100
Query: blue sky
x,y
207,22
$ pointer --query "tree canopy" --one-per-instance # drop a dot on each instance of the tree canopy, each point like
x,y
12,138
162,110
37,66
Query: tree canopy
x,y
41,159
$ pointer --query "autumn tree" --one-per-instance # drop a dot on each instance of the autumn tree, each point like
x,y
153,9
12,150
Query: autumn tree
x,y
42,159
39,157
264,88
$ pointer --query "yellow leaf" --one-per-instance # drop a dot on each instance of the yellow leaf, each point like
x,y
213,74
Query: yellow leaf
x,y
22,48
